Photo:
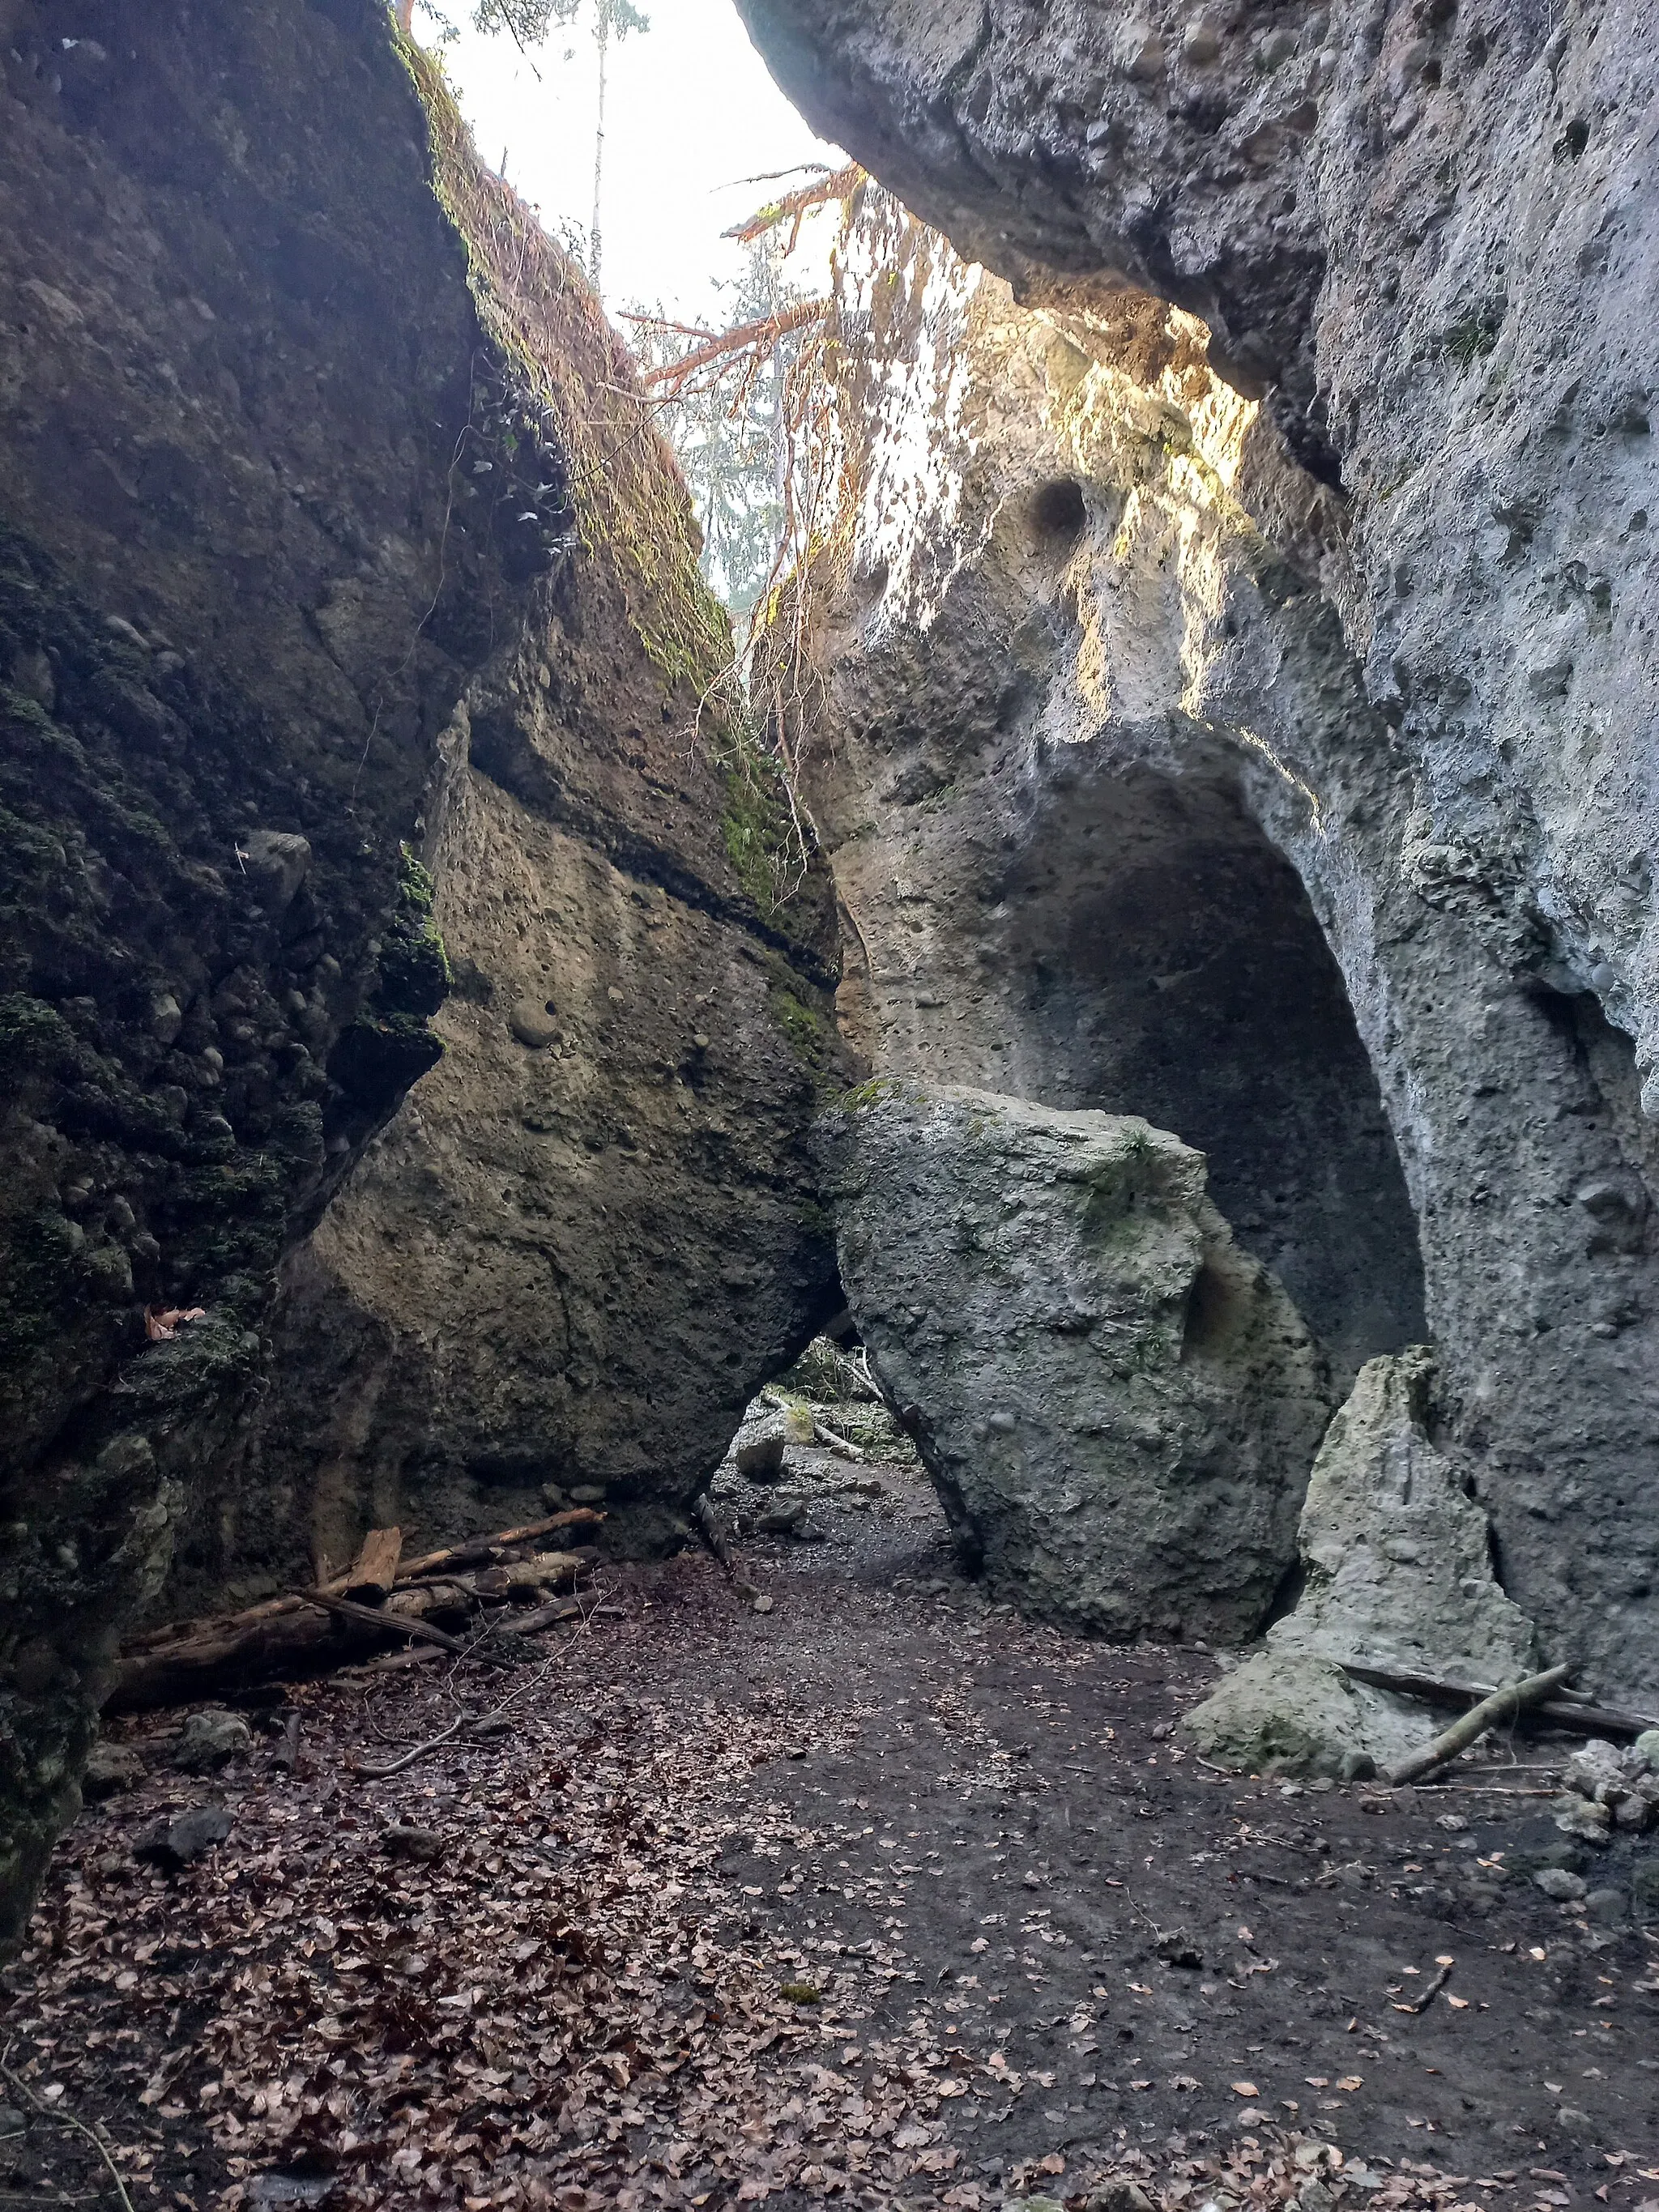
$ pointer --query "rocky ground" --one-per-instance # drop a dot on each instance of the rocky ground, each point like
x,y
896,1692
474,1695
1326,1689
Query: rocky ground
x,y
877,1894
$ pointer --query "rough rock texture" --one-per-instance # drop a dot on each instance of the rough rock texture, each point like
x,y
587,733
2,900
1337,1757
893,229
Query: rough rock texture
x,y
1117,1406
281,478
1121,818
1397,1566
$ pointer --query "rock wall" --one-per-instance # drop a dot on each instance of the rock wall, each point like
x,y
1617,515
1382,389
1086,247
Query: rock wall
x,y
1122,818
305,570
1118,1406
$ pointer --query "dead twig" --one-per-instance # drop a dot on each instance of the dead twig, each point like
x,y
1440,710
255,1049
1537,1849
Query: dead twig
x,y
19,2087
472,1723
1442,1976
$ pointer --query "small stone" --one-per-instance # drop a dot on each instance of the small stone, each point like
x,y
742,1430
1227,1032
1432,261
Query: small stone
x,y
1644,1752
761,1459
12,2122
171,1844
1636,1813
1556,1881
409,1843
588,1493
1597,1770
763,1604
1608,1905
210,1739
1203,43
1120,2195
1574,1816
553,1498
112,1767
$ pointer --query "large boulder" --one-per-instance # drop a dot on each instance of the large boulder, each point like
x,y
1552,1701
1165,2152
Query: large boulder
x,y
1397,1558
1117,1405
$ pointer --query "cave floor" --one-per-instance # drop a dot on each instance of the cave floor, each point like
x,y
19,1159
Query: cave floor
x,y
880,1895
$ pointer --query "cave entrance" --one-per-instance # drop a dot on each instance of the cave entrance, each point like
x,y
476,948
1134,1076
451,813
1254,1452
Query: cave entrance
x,y
1161,958
822,1486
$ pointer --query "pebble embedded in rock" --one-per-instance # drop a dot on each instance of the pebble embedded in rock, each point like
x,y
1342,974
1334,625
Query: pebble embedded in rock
x,y
532,1026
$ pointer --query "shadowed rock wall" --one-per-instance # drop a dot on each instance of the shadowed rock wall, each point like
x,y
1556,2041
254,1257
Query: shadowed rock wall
x,y
286,494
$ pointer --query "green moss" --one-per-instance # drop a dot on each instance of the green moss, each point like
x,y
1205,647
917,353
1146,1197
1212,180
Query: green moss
x,y
1474,334
817,1221
757,825
863,1096
415,972
31,1035
800,1025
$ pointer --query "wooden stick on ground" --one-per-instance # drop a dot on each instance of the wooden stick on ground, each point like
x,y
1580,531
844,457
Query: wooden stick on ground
x,y
1570,1712
375,1568
1430,1991
1491,1712
402,1622
64,2120
837,1443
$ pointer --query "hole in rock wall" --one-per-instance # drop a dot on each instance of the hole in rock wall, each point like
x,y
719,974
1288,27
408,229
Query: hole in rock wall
x,y
1162,959
1058,513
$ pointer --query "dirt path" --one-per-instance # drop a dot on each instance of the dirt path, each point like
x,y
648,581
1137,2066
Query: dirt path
x,y
879,1895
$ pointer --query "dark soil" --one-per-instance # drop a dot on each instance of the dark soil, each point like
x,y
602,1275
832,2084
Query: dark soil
x,y
879,1893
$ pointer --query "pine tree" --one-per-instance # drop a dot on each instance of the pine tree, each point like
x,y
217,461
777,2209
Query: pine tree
x,y
729,425
529,22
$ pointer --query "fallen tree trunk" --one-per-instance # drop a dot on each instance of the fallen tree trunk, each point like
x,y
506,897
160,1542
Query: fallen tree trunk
x,y
1574,1711
313,1632
475,1551
1491,1712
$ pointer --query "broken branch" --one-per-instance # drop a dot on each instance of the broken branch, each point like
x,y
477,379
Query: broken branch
x,y
375,1568
1491,1712
1602,1720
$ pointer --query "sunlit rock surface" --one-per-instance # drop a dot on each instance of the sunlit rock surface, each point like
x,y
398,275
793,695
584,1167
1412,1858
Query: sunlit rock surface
x,y
1121,818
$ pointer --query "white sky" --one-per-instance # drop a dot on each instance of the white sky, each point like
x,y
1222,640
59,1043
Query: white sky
x,y
691,110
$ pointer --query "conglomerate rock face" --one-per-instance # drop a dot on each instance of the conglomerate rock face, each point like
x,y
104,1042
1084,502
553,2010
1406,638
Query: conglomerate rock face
x,y
1397,1574
1118,1406
1122,816
309,591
